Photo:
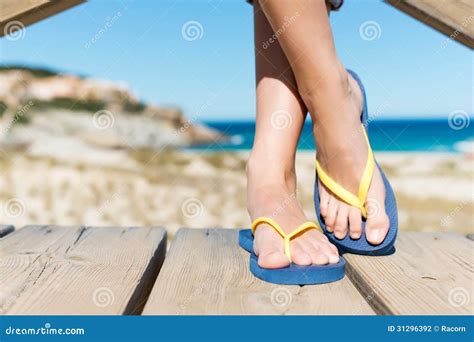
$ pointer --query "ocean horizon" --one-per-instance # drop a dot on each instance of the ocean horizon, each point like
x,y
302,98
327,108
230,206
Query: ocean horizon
x,y
394,135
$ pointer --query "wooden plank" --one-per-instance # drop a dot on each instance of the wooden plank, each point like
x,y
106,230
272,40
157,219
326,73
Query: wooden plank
x,y
6,229
79,270
207,273
28,12
430,274
453,18
14,8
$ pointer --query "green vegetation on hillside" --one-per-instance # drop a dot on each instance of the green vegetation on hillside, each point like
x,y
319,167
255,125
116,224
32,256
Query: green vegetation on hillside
x,y
134,107
3,108
37,72
71,104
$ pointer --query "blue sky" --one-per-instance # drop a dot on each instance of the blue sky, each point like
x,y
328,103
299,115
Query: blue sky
x,y
409,69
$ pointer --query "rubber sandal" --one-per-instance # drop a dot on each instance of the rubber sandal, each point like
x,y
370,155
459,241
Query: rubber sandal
x,y
361,245
292,274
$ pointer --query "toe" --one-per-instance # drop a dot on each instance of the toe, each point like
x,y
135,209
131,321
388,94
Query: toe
x,y
340,228
355,223
331,213
323,199
269,249
321,244
331,252
299,255
376,228
378,223
333,249
271,257
318,257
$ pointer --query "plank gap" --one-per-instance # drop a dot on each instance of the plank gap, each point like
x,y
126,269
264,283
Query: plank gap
x,y
6,229
143,290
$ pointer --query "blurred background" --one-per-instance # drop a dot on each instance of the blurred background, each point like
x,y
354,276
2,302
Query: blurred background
x,y
142,113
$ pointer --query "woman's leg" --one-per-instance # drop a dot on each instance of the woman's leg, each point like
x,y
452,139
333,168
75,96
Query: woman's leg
x,y
271,188
334,101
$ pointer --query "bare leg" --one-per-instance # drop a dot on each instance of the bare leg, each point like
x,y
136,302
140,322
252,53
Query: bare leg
x,y
334,101
271,188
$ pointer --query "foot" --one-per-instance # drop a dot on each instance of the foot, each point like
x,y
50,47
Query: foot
x,y
273,195
342,153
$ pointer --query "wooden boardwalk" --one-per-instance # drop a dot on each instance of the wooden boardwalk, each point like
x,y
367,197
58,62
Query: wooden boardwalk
x,y
115,270
15,14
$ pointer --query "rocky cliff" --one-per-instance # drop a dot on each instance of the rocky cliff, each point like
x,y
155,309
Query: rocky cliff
x,y
54,114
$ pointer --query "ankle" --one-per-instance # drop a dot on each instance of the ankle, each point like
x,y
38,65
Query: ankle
x,y
336,77
333,83
264,172
270,199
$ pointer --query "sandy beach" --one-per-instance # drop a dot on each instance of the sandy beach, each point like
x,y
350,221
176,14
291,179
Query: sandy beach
x,y
106,158
207,189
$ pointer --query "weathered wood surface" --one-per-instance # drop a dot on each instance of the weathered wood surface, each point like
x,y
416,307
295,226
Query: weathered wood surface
x,y
79,270
453,18
27,12
207,273
6,229
430,274
112,270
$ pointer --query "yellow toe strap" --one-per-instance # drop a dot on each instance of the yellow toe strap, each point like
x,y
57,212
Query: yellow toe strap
x,y
355,201
286,237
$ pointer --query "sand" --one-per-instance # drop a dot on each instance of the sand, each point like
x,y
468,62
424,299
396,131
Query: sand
x,y
194,189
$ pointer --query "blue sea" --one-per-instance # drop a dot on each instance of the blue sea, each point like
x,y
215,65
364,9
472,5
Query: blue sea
x,y
412,135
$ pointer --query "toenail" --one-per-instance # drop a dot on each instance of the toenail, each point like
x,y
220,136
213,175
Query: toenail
x,y
376,235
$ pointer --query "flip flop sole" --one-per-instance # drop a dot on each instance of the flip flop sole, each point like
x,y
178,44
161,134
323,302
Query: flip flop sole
x,y
293,274
361,245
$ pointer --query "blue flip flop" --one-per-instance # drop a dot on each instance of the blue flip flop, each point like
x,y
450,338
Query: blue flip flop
x,y
361,245
293,274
